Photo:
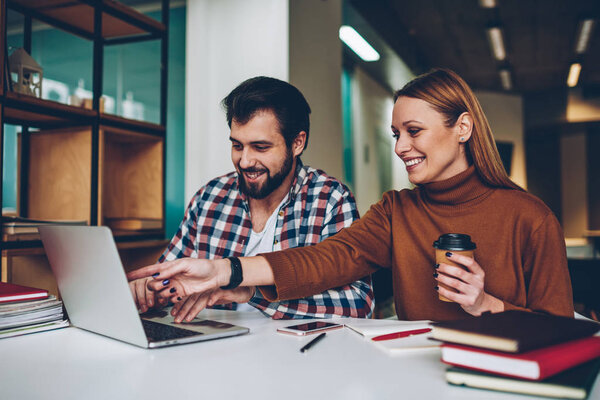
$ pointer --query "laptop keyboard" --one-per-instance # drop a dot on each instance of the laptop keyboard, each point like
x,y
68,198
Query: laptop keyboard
x,y
157,332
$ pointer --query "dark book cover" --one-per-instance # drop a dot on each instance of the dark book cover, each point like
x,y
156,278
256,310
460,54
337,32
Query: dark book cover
x,y
513,331
575,383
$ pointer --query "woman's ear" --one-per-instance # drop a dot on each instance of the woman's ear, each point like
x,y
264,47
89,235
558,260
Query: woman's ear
x,y
464,127
299,143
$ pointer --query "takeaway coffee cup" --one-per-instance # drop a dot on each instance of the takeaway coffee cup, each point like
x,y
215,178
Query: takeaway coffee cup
x,y
457,243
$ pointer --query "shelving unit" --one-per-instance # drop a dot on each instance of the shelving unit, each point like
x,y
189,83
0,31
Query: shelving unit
x,y
82,164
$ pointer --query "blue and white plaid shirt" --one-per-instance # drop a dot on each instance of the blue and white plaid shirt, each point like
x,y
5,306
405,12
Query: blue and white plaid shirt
x,y
217,225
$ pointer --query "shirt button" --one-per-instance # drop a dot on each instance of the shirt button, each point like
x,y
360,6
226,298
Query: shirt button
x,y
281,213
276,241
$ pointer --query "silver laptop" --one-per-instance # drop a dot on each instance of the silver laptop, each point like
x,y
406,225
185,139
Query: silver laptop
x,y
94,289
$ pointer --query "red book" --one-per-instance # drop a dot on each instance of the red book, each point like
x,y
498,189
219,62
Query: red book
x,y
534,365
10,292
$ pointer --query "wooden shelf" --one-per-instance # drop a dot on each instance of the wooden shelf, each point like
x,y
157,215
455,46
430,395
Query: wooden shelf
x,y
110,121
20,109
60,166
77,16
124,239
130,182
78,163
131,175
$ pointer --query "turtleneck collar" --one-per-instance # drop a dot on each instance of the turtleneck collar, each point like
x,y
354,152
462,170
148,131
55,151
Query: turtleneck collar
x,y
459,189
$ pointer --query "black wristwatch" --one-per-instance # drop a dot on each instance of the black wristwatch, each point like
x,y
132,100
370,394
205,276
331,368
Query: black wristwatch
x,y
236,274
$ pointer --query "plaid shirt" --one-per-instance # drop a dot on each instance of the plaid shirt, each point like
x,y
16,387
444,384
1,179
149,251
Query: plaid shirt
x,y
217,225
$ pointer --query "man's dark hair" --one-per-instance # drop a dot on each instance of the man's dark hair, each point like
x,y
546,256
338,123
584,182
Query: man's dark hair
x,y
263,93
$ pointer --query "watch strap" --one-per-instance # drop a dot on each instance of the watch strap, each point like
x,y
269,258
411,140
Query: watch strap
x,y
236,274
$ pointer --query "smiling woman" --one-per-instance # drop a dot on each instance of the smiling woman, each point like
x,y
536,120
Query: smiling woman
x,y
459,111
431,150
448,148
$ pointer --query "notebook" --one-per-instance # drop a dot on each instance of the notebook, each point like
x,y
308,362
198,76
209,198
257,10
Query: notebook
x,y
95,292
534,364
513,331
10,292
574,383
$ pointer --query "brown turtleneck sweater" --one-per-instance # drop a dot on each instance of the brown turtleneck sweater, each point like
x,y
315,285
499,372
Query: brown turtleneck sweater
x,y
520,246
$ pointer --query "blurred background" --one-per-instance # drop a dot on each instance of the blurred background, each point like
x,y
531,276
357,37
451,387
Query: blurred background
x,y
534,65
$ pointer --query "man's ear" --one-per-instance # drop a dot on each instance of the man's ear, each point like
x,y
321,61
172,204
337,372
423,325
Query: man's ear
x,y
299,143
464,127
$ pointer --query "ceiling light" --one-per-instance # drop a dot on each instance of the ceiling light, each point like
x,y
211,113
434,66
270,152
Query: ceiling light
x,y
487,3
358,44
495,38
505,79
585,30
574,75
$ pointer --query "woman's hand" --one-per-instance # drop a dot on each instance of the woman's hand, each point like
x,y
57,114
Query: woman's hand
x,y
189,307
469,283
174,280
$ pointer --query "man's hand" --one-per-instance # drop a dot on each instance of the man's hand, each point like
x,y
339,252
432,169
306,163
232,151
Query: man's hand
x,y
189,307
241,294
174,280
143,297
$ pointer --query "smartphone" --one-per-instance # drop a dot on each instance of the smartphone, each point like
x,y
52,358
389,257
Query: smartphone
x,y
310,328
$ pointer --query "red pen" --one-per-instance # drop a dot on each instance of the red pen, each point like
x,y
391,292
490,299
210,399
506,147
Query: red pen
x,y
397,335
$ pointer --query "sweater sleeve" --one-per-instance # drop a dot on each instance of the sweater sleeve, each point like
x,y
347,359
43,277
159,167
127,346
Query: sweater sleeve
x,y
546,272
353,253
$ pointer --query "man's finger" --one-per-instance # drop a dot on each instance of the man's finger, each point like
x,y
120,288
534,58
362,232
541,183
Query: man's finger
x,y
149,296
183,310
140,294
198,306
176,307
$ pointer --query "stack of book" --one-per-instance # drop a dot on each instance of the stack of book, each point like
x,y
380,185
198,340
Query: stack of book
x,y
522,352
19,228
25,310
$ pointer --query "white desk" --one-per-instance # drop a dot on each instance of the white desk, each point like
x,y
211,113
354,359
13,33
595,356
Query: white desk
x,y
74,364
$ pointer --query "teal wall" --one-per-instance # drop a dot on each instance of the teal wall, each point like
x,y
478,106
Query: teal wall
x,y
347,127
129,70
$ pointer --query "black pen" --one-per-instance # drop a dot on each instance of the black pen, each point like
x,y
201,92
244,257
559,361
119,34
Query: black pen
x,y
312,342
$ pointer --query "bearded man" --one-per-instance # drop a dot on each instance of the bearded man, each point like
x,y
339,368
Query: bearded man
x,y
270,202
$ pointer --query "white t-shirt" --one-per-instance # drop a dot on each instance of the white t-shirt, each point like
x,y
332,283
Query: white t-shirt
x,y
261,242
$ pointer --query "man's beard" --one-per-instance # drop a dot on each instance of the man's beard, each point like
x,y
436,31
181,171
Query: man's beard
x,y
257,191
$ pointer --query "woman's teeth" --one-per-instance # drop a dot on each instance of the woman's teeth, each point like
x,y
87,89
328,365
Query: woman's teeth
x,y
414,161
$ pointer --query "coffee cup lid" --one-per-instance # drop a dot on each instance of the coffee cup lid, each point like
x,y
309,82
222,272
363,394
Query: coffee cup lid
x,y
454,241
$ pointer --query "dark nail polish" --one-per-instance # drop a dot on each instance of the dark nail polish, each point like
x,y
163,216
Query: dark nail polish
x,y
435,274
437,288
179,299
166,282
172,290
156,274
448,254
436,266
